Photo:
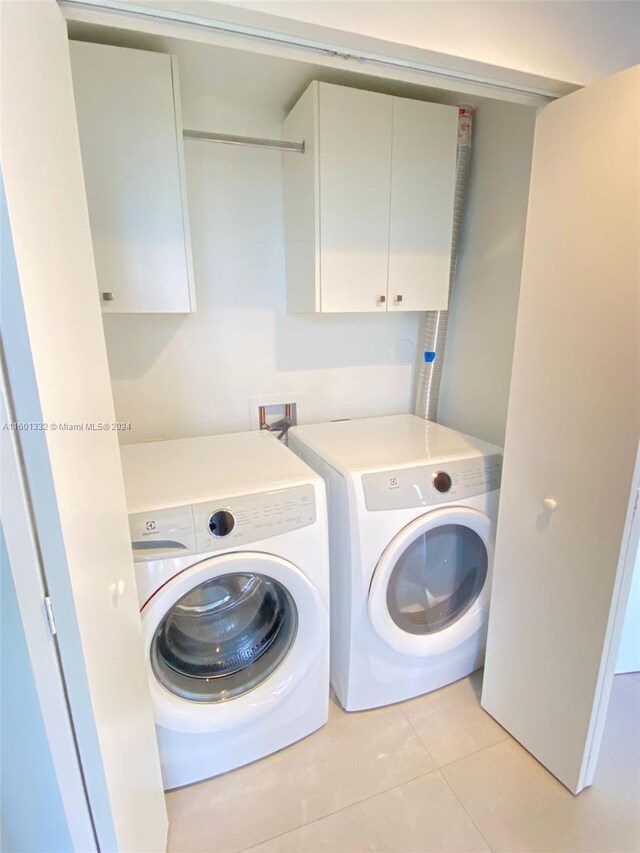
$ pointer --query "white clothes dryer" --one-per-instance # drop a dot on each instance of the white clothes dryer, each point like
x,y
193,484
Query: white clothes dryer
x,y
412,517
229,535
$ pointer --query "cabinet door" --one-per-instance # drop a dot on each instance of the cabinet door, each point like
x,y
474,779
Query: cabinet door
x,y
572,431
132,158
355,177
423,176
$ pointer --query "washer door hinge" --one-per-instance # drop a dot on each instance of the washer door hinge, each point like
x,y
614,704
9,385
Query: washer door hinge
x,y
48,606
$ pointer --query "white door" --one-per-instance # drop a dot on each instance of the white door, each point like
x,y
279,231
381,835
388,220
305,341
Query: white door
x,y
231,636
57,369
430,589
572,432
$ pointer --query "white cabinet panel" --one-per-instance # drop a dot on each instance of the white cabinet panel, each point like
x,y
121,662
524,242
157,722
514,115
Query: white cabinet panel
x,y
131,139
355,170
572,432
369,205
301,208
423,175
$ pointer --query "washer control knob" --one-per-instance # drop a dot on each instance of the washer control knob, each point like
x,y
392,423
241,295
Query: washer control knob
x,y
441,481
221,523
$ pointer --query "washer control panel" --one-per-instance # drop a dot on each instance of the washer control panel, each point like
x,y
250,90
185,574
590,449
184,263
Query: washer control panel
x,y
252,517
430,485
216,525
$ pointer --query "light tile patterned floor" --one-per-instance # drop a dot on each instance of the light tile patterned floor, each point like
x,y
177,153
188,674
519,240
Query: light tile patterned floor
x,y
430,775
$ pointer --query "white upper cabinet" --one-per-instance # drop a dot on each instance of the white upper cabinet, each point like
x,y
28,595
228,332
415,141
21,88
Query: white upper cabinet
x,y
131,138
369,205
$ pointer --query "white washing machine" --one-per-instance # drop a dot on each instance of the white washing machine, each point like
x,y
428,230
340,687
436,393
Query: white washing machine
x,y
229,535
412,516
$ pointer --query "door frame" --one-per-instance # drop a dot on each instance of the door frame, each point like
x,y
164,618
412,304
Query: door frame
x,y
26,570
258,32
624,578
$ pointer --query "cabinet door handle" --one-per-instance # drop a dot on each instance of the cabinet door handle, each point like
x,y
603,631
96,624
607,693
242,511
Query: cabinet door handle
x,y
398,298
107,296
382,299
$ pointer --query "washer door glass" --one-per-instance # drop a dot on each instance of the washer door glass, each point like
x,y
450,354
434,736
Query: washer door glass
x,y
224,637
436,579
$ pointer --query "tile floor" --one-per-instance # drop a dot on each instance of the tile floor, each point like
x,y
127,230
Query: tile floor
x,y
430,775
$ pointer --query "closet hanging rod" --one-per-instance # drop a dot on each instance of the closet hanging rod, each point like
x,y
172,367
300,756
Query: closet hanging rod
x,y
254,141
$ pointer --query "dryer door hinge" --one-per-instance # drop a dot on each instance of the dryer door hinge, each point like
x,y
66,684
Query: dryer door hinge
x,y
48,606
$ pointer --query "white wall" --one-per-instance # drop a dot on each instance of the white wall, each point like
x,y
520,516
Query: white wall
x,y
577,41
195,374
190,375
477,367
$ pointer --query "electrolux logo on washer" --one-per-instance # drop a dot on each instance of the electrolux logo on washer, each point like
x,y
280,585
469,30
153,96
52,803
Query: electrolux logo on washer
x,y
429,485
162,532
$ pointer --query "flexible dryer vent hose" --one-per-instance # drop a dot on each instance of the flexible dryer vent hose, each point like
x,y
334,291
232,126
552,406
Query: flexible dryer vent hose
x,y
433,332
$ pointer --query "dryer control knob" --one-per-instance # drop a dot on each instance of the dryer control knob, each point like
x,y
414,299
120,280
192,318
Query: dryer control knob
x,y
441,481
221,523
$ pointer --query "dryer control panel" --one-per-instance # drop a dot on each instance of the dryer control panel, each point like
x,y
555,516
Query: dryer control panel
x,y
430,485
222,524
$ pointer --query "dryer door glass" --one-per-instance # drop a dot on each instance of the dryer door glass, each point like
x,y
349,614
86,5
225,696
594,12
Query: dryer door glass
x,y
437,579
224,637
